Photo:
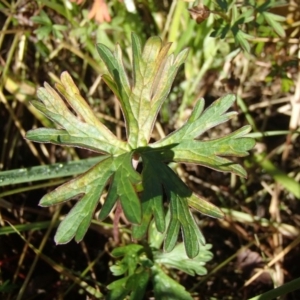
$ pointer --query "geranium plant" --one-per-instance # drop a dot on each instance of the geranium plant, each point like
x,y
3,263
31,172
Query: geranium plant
x,y
157,189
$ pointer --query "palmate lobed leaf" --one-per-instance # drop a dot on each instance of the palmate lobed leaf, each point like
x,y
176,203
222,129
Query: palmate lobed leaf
x,y
211,153
181,218
200,121
88,133
178,259
92,184
153,74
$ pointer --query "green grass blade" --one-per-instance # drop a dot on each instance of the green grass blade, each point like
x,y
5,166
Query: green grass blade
x,y
279,176
26,227
46,172
280,291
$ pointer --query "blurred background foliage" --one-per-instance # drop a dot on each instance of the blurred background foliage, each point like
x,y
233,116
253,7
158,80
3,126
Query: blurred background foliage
x,y
250,48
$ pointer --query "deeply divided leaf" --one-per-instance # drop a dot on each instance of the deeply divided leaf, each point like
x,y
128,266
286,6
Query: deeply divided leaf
x,y
143,196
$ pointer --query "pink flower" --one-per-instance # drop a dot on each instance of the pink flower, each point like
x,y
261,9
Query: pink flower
x,y
99,11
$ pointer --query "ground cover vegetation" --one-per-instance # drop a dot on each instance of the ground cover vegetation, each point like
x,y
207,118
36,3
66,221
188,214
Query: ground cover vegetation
x,y
173,129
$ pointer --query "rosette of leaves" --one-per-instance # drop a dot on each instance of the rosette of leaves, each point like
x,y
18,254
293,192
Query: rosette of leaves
x,y
140,99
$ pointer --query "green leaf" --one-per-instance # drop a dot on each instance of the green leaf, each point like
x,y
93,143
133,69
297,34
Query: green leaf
x,y
166,288
89,133
178,259
205,207
118,289
209,153
199,121
43,32
133,285
156,238
184,148
223,4
273,20
266,5
151,200
178,194
42,19
137,277
286,84
91,184
131,256
241,38
137,283
221,30
153,75
60,27
247,15
122,186
181,216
